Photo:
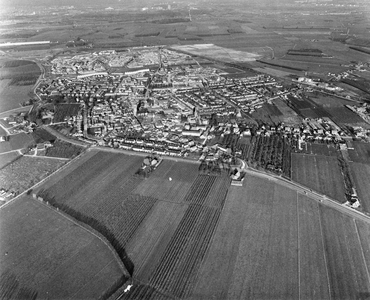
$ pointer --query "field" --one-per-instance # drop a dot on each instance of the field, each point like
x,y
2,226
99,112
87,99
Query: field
x,y
345,252
289,117
16,82
342,115
319,149
63,150
7,158
272,243
329,101
26,171
51,256
216,52
193,236
16,142
320,173
360,153
361,174
102,186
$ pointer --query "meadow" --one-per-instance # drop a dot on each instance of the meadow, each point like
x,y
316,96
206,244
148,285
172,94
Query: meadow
x,y
320,173
17,78
190,235
361,173
274,243
52,255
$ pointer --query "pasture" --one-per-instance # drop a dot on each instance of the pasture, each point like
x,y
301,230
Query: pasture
x,y
17,78
51,255
343,115
319,149
320,173
16,142
360,152
193,236
361,173
7,158
272,243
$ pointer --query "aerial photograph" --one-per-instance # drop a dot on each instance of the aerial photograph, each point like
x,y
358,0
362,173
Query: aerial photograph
x,y
189,149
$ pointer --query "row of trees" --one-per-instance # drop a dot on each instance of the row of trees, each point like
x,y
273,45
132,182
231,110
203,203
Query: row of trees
x,y
93,223
348,184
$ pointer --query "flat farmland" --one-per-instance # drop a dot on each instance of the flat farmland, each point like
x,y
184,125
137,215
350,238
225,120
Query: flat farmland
x,y
329,101
361,174
8,158
347,268
255,246
360,153
17,78
320,173
165,230
274,243
16,142
342,115
51,255
313,275
319,149
100,187
173,178
202,239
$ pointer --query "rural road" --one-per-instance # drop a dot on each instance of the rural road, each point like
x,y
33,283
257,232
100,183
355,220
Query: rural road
x,y
323,199
5,114
63,137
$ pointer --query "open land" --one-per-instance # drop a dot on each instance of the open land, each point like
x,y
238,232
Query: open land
x,y
265,230
342,115
360,173
50,254
320,173
208,239
182,234
360,152
17,78
16,142
7,158
319,149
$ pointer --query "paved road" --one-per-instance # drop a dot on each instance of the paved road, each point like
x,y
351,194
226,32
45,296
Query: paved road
x,y
64,138
323,199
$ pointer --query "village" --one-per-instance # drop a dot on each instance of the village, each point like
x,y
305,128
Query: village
x,y
160,101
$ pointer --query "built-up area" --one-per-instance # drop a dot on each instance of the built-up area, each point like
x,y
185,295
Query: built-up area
x,y
157,100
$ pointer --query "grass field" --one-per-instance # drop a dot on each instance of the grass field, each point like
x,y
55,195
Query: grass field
x,y
16,82
272,243
319,149
181,213
342,115
329,101
16,142
361,174
360,153
196,237
347,268
320,173
7,158
50,254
